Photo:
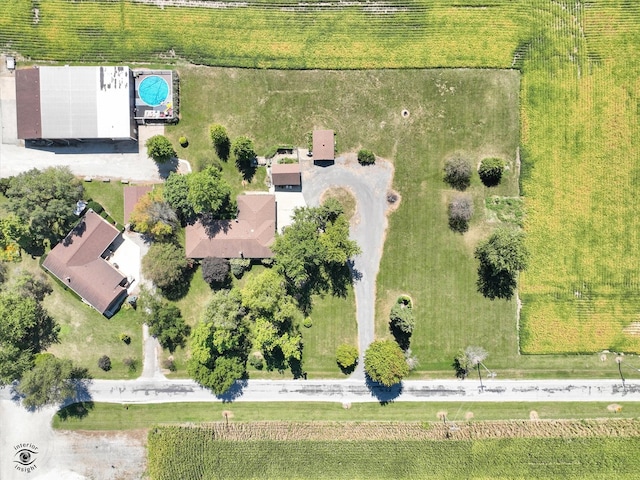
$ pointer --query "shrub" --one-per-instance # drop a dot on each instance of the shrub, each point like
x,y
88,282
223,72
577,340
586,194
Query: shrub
x,y
460,212
131,363
160,148
104,362
239,266
347,356
256,360
267,262
457,173
220,141
125,338
169,364
215,270
95,206
184,143
366,157
401,318
490,171
307,322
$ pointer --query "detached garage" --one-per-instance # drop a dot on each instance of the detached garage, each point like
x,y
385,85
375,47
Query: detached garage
x,y
75,103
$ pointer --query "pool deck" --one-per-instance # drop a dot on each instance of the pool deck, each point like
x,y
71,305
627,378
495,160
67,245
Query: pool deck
x,y
145,112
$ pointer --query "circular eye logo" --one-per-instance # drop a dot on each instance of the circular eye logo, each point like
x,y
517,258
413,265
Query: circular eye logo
x,y
25,456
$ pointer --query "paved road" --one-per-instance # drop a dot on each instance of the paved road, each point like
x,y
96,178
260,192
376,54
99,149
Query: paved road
x,y
369,186
144,391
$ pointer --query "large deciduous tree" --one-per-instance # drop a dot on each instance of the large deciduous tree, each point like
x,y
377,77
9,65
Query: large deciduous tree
x,y
276,319
313,251
50,382
219,346
501,257
385,363
44,201
176,193
26,329
165,265
165,321
153,216
210,193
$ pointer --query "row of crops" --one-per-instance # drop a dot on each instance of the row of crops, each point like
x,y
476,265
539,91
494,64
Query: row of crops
x,y
196,452
265,34
580,97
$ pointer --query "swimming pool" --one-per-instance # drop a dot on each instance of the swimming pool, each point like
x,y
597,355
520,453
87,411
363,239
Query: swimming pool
x,y
153,90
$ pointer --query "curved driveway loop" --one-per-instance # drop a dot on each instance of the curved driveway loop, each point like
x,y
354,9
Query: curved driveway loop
x,y
369,185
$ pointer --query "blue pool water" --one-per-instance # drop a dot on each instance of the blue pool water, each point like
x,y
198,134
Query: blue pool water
x,y
153,90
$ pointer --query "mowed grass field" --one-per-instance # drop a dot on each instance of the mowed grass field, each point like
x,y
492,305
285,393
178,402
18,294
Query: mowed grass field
x,y
580,97
269,34
109,416
211,452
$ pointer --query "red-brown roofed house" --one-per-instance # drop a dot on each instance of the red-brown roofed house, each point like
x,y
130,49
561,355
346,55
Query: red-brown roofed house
x,y
78,262
285,175
323,145
248,236
131,196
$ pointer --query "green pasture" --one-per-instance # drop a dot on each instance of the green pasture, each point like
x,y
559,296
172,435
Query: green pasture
x,y
194,453
267,34
110,416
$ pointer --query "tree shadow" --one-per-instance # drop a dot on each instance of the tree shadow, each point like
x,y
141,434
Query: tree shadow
x,y
458,225
461,372
223,150
382,393
348,370
179,289
247,171
77,410
403,339
492,284
167,168
234,392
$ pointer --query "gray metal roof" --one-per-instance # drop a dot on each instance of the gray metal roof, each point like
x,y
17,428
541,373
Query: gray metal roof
x,y
82,102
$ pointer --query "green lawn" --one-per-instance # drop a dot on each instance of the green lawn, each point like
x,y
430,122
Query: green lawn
x,y
109,416
108,194
192,452
473,112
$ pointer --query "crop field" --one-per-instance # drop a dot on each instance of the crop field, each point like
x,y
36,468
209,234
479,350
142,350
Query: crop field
x,y
403,451
269,34
580,94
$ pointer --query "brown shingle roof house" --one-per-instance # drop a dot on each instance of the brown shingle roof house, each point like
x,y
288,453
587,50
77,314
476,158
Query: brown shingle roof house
x,y
77,262
131,196
323,145
248,236
283,174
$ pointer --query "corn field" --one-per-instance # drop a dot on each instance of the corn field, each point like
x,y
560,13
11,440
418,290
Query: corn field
x,y
287,451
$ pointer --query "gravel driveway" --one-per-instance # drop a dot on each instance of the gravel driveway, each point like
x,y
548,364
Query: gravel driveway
x,y
370,186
